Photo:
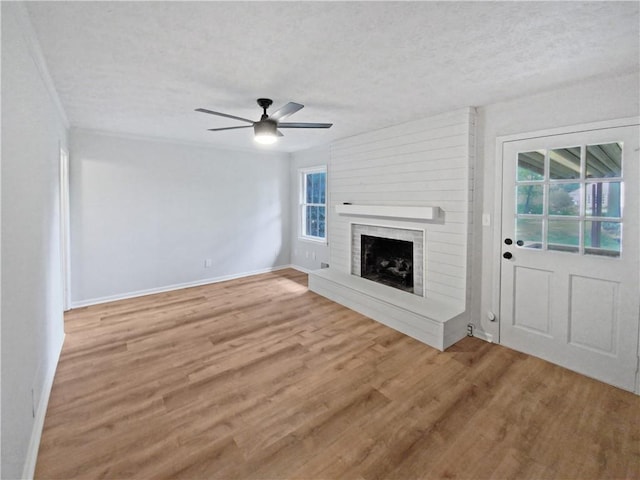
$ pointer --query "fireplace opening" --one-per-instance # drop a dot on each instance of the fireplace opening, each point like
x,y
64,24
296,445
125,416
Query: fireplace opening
x,y
387,261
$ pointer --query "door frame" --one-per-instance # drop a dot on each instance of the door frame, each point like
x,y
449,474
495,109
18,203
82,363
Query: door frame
x,y
65,231
497,200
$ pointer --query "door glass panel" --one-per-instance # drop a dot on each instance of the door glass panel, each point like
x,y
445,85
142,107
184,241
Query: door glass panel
x,y
602,238
564,199
563,235
530,199
603,199
564,163
529,231
531,166
604,161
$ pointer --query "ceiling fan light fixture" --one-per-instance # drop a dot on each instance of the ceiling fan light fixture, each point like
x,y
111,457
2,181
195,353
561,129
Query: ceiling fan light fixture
x,y
265,132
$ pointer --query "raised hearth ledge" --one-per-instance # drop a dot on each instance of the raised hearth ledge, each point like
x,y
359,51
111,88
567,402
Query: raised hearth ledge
x,y
436,323
390,211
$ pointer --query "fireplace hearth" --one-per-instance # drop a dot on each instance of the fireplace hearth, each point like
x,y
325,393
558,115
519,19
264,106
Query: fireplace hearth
x,y
387,261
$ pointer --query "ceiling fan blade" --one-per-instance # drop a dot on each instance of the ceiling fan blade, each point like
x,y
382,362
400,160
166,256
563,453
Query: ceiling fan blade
x,y
228,128
305,125
289,109
204,110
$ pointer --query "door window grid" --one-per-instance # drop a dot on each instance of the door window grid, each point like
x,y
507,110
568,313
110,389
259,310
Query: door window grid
x,y
571,199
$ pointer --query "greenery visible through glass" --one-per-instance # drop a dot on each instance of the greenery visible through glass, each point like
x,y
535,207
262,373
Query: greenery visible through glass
x,y
531,166
563,235
529,232
553,199
603,199
564,199
530,199
602,238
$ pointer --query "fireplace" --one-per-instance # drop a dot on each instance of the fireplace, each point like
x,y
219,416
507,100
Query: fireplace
x,y
388,255
387,261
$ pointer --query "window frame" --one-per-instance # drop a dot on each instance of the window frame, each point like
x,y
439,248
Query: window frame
x,y
303,173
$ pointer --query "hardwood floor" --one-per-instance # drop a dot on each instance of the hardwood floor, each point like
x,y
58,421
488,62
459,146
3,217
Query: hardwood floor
x,y
260,378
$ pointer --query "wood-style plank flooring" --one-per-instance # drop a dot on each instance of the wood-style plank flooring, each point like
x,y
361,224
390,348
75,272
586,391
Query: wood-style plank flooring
x,y
258,378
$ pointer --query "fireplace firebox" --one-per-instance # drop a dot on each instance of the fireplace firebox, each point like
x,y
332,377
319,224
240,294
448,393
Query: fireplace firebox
x,y
388,261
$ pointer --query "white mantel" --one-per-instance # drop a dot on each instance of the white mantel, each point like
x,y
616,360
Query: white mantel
x,y
390,211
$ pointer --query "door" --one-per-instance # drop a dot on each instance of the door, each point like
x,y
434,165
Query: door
x,y
569,268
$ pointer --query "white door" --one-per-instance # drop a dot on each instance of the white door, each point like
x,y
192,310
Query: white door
x,y
570,273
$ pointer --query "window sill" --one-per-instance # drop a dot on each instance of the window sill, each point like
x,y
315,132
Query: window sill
x,y
322,241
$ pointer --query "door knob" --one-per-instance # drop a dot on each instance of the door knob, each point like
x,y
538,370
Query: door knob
x,y
508,241
507,255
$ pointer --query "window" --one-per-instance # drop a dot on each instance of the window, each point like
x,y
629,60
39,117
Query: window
x,y
313,203
571,199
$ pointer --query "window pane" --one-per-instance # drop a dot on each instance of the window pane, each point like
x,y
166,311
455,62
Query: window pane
x,y
564,163
529,199
531,166
315,222
603,199
563,235
564,199
321,222
309,188
604,160
323,187
316,188
529,231
602,238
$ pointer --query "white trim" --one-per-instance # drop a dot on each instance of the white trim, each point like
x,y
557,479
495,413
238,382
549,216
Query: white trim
x,y
584,127
498,182
389,211
29,35
300,269
482,335
302,188
38,422
177,286
65,232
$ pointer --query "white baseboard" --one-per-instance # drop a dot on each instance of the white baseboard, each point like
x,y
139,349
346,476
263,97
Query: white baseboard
x,y
38,422
300,269
487,337
177,286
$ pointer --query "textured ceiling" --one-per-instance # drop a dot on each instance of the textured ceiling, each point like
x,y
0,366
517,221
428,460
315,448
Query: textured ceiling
x,y
142,67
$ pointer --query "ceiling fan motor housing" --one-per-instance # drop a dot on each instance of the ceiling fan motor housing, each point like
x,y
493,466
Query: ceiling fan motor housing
x,y
265,127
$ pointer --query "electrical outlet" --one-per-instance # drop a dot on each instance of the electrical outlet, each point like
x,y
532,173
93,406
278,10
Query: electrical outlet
x,y
313,255
470,330
207,263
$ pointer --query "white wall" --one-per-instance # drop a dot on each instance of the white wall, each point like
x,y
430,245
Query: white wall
x,y
305,254
589,101
146,214
32,324
422,163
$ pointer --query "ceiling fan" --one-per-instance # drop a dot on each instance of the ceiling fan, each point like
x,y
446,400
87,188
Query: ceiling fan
x,y
266,129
